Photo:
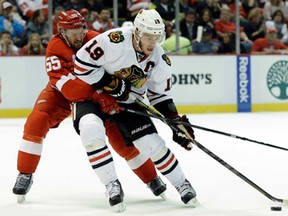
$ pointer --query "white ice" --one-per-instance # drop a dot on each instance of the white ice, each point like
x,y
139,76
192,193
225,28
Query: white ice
x,y
64,183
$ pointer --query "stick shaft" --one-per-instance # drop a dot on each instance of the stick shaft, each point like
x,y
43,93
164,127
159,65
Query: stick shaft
x,y
157,115
236,172
232,136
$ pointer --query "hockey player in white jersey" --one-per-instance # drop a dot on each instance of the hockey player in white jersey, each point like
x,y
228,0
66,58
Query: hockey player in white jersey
x,y
130,59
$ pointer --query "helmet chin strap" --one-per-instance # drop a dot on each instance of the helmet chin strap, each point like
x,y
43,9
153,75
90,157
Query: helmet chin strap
x,y
140,46
62,35
138,42
64,38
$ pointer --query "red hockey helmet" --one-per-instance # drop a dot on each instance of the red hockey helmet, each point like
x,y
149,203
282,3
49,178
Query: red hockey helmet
x,y
70,19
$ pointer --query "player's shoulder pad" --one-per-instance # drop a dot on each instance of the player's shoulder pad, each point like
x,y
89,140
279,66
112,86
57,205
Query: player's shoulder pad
x,y
56,45
91,34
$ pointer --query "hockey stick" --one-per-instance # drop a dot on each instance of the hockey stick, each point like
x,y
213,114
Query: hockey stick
x,y
240,175
199,127
179,49
156,114
197,40
206,129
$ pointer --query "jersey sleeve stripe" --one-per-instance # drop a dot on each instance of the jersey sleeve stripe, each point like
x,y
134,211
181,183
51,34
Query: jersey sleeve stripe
x,y
78,68
77,60
78,72
63,80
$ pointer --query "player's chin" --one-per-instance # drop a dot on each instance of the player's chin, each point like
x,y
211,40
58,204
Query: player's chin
x,y
77,45
149,51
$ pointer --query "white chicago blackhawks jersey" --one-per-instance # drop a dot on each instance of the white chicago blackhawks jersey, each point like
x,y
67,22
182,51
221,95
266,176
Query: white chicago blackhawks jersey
x,y
113,52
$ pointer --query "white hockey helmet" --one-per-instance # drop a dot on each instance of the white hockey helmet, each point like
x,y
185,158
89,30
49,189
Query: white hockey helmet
x,y
150,22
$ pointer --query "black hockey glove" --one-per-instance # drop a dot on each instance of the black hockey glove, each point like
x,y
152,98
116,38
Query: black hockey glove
x,y
184,135
119,89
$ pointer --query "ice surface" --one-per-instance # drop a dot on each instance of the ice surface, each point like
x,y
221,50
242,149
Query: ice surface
x,y
64,183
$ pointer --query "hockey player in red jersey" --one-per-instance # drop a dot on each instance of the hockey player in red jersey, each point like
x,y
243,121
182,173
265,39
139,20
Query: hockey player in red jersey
x,y
135,60
53,106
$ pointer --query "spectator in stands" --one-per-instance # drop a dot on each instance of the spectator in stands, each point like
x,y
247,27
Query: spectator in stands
x,y
270,44
169,44
62,3
166,9
205,19
103,22
207,45
27,7
272,5
89,18
57,11
14,11
248,5
121,4
232,6
7,46
34,46
254,26
188,25
213,5
1,8
184,7
94,6
278,20
133,6
225,24
68,4
38,24
228,45
261,3
10,21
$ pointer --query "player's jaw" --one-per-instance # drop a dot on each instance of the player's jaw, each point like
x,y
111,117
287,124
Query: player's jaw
x,y
77,43
75,37
148,49
148,43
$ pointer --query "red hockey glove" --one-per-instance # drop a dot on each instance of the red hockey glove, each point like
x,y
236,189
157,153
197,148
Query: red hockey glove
x,y
107,103
185,134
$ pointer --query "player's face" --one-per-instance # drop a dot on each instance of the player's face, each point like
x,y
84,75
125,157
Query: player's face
x,y
75,37
148,43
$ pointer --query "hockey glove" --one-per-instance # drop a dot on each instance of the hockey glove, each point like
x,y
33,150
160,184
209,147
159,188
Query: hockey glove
x,y
118,89
107,103
184,135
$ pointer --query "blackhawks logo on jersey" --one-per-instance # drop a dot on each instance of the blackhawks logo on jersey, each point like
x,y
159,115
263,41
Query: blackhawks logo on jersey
x,y
116,37
166,59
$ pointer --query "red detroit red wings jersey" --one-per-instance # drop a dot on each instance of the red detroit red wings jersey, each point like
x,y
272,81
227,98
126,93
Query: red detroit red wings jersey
x,y
59,67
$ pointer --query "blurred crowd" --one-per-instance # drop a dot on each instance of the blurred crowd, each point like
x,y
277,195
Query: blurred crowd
x,y
206,26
